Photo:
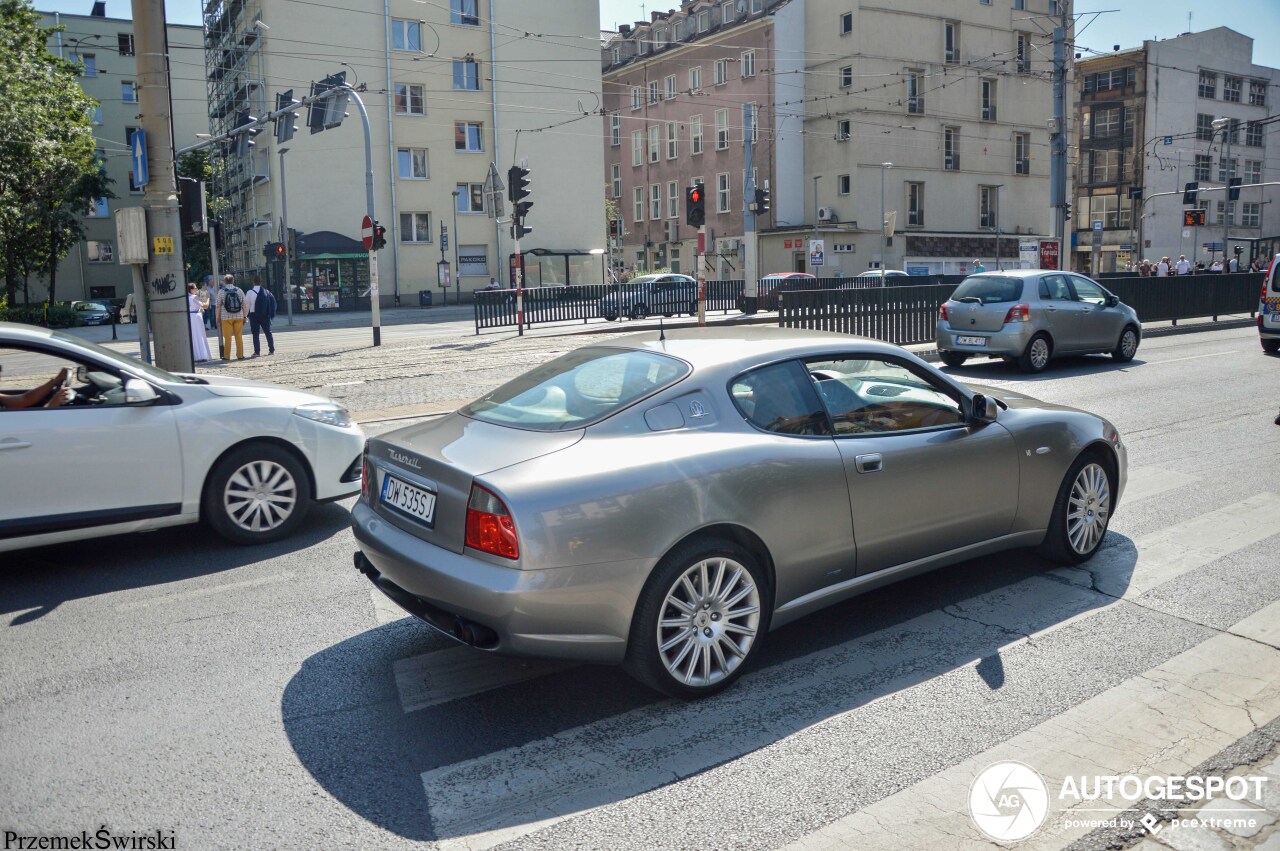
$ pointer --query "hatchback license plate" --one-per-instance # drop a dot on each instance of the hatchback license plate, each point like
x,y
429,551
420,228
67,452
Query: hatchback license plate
x,y
971,341
412,500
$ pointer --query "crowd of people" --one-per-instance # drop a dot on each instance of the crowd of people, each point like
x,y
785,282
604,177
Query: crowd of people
x,y
1164,268
225,309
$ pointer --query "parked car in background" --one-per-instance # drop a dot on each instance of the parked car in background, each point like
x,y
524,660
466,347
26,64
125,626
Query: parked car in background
x,y
665,500
92,312
1269,308
669,295
121,457
1030,316
770,285
887,273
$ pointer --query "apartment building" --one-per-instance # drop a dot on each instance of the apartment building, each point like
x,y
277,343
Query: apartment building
x,y
935,114
676,88
449,88
1146,129
104,45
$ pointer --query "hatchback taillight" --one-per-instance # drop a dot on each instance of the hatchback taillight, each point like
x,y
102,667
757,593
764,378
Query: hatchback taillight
x,y
942,313
490,528
1018,313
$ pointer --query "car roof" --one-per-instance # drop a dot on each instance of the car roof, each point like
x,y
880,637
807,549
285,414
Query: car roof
x,y
790,275
17,332
1017,273
745,345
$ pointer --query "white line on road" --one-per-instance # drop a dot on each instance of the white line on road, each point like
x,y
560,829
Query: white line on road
x,y
1192,357
1146,482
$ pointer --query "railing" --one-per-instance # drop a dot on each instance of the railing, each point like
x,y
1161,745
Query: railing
x,y
579,302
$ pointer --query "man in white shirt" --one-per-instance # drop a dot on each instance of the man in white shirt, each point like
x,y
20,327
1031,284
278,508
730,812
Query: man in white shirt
x,y
1184,265
1162,270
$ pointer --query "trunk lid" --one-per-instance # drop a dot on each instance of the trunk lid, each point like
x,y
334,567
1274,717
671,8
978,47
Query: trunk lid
x,y
981,303
443,457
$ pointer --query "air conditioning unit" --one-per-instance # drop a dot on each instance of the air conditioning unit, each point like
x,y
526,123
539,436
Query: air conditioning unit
x,y
826,214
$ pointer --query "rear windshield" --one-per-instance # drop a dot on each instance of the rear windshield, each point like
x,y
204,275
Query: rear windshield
x,y
577,389
988,289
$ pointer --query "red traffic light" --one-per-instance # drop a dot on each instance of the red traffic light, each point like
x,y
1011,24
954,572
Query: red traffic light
x,y
695,195
280,250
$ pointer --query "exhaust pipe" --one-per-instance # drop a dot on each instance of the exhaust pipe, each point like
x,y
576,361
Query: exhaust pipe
x,y
474,634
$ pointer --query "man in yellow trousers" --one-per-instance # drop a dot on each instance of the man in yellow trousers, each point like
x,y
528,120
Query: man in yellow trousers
x,y
231,313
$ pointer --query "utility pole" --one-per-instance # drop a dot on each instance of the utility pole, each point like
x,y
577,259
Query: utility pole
x,y
284,226
166,284
751,268
1058,136
1228,174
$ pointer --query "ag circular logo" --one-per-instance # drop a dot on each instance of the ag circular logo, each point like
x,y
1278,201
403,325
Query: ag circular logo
x,y
1008,801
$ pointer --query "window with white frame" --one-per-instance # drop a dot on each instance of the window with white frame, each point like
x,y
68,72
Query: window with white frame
x,y
470,198
655,202
726,11
915,100
412,164
704,21
846,76
755,121
1204,127
1105,166
988,206
695,79
673,199
846,23
1251,214
951,148
1111,210
415,227
653,91
951,43
637,97
915,204
468,136
1227,169
466,74
722,192
410,99
1106,122
99,251
1231,88
1208,85
406,35
695,134
1230,213
615,130
615,180
1253,134
1022,153
721,72
1253,171
988,112
1257,93
722,129
655,143
757,6
844,130
673,140
748,63
670,87
128,91
1204,167
637,147
464,12
637,199
843,184
660,36
1024,53
124,44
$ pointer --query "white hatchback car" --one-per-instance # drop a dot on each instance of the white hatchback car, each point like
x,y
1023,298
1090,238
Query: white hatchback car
x,y
135,448
1269,308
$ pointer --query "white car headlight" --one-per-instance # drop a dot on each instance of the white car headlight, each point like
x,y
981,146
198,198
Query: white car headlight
x,y
325,412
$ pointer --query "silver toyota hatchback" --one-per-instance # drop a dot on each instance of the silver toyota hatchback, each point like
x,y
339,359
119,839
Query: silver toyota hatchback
x,y
1030,316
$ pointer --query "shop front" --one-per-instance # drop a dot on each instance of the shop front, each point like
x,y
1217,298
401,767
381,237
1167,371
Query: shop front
x,y
330,273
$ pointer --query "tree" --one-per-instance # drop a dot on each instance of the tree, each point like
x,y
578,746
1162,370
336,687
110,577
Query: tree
x,y
46,147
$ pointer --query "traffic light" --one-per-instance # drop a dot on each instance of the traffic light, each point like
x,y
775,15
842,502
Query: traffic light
x,y
517,184
379,236
285,126
615,227
328,113
518,229
1193,218
1233,188
695,206
244,138
273,251
762,201
1066,212
1189,194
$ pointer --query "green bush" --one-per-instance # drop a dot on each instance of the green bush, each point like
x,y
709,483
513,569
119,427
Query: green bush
x,y
57,315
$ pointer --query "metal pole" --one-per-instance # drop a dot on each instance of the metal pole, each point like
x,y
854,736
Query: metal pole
x,y
1228,173
1058,139
214,227
368,191
751,270
814,269
519,273
457,270
284,223
702,277
884,223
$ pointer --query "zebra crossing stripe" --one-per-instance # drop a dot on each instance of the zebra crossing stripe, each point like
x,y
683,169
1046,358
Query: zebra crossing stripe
x,y
459,672
1146,482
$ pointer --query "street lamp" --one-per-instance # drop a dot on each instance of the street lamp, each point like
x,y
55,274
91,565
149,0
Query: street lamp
x,y
284,237
997,188
884,223
1225,125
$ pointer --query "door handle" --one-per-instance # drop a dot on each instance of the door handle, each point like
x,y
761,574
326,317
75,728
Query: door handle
x,y
868,463
1051,309
10,443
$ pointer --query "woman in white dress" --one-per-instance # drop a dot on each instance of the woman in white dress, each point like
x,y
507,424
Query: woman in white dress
x,y
199,342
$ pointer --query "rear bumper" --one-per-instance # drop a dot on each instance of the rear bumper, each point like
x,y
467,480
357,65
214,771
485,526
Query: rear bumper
x,y
582,612
1010,341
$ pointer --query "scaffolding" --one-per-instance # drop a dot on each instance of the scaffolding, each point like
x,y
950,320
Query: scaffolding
x,y
235,76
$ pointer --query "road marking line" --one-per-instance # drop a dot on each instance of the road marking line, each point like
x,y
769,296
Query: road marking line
x,y
385,611
459,672
1192,357
1175,716
1146,482
1263,626
197,593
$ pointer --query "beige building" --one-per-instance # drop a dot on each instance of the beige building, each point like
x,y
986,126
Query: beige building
x,y
449,88
105,46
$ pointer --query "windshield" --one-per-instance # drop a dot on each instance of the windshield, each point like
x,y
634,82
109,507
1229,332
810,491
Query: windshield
x,y
988,289
117,359
577,389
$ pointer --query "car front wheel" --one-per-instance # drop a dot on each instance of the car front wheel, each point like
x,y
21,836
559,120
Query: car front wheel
x,y
700,619
610,315
1081,512
256,494
639,311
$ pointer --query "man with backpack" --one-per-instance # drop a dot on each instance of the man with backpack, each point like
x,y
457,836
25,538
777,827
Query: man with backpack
x,y
231,312
261,307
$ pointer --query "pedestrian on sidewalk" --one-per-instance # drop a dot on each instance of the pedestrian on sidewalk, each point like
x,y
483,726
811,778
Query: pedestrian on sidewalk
x,y
195,312
260,305
978,267
231,317
210,298
1184,265
1162,269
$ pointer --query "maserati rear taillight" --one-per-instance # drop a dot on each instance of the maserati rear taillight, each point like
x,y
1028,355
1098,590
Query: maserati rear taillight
x,y
490,528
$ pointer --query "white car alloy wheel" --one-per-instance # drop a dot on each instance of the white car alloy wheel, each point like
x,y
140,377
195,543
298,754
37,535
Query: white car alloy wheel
x,y
1088,509
260,496
708,622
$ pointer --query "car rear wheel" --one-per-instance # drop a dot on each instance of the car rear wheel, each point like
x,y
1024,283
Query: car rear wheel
x,y
610,315
953,358
1081,512
1271,346
1036,356
638,311
700,619
1127,346
256,494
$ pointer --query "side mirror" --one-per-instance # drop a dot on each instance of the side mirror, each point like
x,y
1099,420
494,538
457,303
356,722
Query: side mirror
x,y
1112,300
139,392
983,409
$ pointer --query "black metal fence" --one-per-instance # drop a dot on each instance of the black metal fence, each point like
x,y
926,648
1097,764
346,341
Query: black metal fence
x,y
909,314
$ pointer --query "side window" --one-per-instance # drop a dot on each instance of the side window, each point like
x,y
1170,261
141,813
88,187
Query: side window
x,y
1088,291
1054,288
880,396
780,399
23,372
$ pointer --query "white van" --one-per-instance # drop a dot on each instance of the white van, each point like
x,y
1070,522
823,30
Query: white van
x,y
1269,308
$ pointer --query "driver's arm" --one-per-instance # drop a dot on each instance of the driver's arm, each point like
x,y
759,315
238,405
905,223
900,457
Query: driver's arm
x,y
44,395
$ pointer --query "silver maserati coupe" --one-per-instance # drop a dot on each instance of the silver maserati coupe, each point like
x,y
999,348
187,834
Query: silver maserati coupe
x,y
665,501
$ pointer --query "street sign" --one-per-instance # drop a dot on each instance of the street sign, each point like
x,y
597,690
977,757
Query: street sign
x,y
1168,140
366,233
162,245
444,238
1097,226
138,157
817,252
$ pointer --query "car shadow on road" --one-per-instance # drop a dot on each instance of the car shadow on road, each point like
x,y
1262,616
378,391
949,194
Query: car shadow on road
x,y
506,758
1069,366
35,582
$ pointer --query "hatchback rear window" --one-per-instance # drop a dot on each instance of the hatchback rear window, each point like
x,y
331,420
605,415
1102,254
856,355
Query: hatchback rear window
x,y
988,289
577,389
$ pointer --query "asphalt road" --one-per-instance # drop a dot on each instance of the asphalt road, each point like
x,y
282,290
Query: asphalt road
x,y
267,698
